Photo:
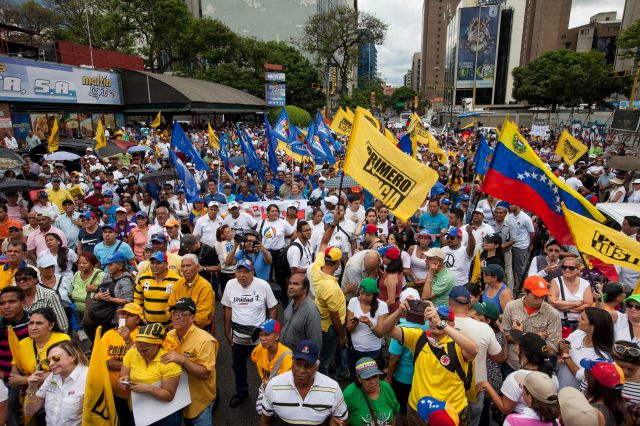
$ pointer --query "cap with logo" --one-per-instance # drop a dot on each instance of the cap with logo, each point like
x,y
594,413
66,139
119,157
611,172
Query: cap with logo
x,y
132,308
488,309
158,238
308,351
366,368
184,304
604,371
115,257
233,205
153,333
159,256
445,201
371,229
269,326
244,263
333,254
494,238
537,285
107,193
532,343
171,222
121,210
110,225
454,233
88,215
445,312
390,251
213,204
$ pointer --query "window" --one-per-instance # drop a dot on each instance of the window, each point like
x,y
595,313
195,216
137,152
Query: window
x,y
584,31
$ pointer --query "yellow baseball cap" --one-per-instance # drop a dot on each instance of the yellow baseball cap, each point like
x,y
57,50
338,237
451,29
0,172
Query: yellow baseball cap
x,y
333,254
132,308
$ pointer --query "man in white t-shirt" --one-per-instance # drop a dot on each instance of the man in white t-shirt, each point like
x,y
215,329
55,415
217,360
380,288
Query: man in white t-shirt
x,y
575,182
356,212
238,220
299,253
480,230
247,301
459,256
523,233
207,225
484,338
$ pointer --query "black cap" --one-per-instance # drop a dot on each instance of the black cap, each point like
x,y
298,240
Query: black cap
x,y
611,290
184,304
531,343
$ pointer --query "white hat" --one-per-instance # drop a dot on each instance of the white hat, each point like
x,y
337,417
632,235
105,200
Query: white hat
x,y
436,252
46,261
636,181
213,203
322,179
293,204
121,210
332,199
233,204
409,292
617,181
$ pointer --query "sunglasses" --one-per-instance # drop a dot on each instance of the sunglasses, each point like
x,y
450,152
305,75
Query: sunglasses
x,y
14,229
53,358
631,305
22,279
569,268
622,349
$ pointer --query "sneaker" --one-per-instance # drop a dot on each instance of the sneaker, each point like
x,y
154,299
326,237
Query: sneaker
x,y
237,400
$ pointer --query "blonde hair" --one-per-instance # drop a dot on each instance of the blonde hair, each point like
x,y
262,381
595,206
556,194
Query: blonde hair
x,y
72,349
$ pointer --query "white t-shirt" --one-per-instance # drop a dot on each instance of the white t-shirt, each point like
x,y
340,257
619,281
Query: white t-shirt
x,y
512,389
4,392
574,183
484,337
577,352
356,217
241,224
458,263
362,337
206,229
523,226
621,329
572,297
478,234
248,305
273,234
300,257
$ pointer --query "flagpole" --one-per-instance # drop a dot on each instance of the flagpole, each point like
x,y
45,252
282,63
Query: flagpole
x,y
591,280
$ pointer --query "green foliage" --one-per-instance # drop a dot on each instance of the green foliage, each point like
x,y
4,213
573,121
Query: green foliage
x,y
564,77
630,39
402,94
362,97
298,116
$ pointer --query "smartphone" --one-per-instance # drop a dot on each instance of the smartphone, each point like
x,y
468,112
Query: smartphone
x,y
125,383
354,320
103,289
121,322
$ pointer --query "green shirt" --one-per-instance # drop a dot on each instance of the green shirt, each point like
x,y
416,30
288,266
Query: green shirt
x,y
441,286
78,287
385,407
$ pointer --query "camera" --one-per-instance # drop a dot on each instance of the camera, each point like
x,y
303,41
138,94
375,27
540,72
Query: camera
x,y
416,311
240,237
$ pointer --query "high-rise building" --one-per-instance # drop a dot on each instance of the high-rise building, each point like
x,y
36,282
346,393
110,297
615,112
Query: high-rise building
x,y
631,14
545,24
367,64
407,79
599,34
416,71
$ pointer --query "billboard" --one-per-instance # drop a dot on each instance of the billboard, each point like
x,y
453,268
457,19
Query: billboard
x,y
276,94
274,76
24,80
333,79
477,46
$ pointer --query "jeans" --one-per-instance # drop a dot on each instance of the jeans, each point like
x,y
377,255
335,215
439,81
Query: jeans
x,y
518,263
354,356
475,410
239,355
328,351
342,362
174,419
14,417
203,419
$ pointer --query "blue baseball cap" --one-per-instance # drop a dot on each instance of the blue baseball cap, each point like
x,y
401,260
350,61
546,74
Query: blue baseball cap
x,y
308,351
328,218
107,193
454,232
246,264
89,215
159,238
446,201
269,326
109,225
465,197
159,256
460,295
503,204
115,257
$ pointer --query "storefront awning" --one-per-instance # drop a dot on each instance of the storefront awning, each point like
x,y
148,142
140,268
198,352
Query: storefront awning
x,y
145,92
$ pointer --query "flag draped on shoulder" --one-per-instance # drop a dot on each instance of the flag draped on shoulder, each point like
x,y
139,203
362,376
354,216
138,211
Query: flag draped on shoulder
x,y
188,180
19,357
98,408
157,121
570,148
401,183
483,156
517,175
272,144
341,123
182,143
213,139
54,137
602,242
101,137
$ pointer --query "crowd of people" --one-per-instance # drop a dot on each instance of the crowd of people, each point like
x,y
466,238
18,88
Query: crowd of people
x,y
349,315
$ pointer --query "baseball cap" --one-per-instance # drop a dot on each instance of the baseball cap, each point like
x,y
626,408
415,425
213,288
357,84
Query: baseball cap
x,y
233,205
460,295
636,181
611,290
56,179
14,224
213,204
371,229
436,412
425,233
43,194
575,409
132,308
269,326
246,264
369,285
445,312
328,218
324,179
488,309
539,385
494,238
141,214
159,256
495,270
409,292
109,225
465,197
531,341
454,233
153,333
537,285
308,351
503,204
333,254
391,251
115,257
366,367
159,238
292,205
604,371
332,199
188,240
121,210
107,193
445,201
46,261
592,199
171,222
633,298
97,185
89,215
184,304
436,252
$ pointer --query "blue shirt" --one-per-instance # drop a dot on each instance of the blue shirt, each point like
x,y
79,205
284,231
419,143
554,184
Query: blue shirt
x,y
246,198
262,270
110,213
404,371
433,224
101,251
220,198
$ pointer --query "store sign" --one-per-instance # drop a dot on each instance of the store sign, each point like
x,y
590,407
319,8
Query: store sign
x,y
274,76
276,94
333,79
24,80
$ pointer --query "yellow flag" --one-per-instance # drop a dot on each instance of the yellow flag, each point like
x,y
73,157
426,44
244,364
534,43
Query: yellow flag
x,y
213,139
297,157
157,121
476,275
18,357
598,240
350,115
341,123
570,148
391,137
98,408
367,114
385,171
54,137
101,138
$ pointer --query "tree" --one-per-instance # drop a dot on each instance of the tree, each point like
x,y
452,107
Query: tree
x,y
402,95
298,116
362,97
630,39
336,35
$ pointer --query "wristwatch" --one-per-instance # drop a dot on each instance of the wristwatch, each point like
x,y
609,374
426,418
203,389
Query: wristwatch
x,y
442,325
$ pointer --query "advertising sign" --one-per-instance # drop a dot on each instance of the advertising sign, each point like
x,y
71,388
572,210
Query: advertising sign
x,y
276,94
477,46
333,79
24,80
21,125
274,76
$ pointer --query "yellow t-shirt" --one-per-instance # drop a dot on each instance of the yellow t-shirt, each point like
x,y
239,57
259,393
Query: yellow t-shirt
x,y
153,296
203,296
30,351
57,197
260,356
329,296
431,378
7,276
152,373
115,348
201,348
173,263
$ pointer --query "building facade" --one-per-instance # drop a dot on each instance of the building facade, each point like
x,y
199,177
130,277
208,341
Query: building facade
x,y
416,71
599,34
630,15
367,64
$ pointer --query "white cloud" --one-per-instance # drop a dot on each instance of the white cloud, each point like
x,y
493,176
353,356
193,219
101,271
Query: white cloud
x,y
404,36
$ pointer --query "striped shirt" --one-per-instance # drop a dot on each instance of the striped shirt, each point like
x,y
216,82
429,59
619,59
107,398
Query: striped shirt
x,y
324,400
47,298
153,295
21,329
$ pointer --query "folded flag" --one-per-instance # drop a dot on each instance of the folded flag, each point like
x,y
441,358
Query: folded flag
x,y
483,156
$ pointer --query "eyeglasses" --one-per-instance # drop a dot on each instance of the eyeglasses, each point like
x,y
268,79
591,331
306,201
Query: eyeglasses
x,y
631,305
623,349
569,268
14,229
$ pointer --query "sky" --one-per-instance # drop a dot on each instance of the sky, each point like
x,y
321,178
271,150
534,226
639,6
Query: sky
x,y
404,34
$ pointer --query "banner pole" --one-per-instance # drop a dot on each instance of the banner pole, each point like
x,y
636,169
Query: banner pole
x,y
586,266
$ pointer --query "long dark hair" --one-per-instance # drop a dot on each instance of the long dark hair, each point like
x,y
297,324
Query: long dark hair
x,y
603,337
395,266
611,397
50,315
63,252
537,359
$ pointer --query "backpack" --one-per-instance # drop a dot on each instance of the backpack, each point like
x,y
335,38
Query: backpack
x,y
281,263
454,365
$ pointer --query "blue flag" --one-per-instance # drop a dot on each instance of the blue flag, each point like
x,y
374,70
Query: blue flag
x,y
272,144
406,144
182,143
324,133
319,138
482,159
313,142
281,128
224,151
188,180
